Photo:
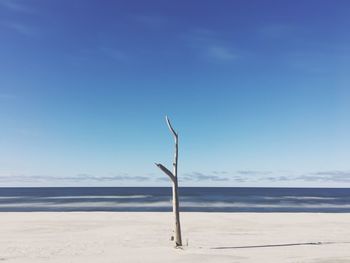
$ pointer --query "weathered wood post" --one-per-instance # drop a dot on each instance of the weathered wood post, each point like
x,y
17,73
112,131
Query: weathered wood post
x,y
173,178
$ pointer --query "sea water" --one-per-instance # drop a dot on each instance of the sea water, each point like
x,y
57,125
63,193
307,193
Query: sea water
x,y
195,199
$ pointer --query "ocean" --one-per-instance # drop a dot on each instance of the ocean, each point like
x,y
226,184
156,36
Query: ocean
x,y
158,199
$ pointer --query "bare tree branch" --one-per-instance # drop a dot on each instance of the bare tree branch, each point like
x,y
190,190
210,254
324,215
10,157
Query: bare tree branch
x,y
166,171
173,177
170,126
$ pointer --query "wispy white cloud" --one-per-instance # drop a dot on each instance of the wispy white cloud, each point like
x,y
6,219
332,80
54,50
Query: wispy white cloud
x,y
220,172
333,173
326,176
20,28
162,179
17,6
78,178
193,177
114,53
150,21
299,50
275,31
320,62
198,176
92,54
254,176
253,172
210,46
221,53
312,177
18,24
282,178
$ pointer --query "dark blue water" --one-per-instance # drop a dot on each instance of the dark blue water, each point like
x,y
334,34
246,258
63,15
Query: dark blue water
x,y
197,199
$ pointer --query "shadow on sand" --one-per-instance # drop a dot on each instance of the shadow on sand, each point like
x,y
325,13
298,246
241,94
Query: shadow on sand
x,y
284,245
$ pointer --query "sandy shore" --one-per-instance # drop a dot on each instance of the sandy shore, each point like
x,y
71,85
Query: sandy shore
x,y
144,237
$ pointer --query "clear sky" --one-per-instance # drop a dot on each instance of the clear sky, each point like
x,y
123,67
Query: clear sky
x,y
259,92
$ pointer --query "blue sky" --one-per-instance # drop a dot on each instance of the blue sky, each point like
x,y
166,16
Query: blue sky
x,y
259,92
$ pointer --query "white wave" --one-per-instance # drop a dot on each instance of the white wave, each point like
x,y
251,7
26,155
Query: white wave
x,y
162,204
184,198
10,197
98,196
299,198
249,205
87,204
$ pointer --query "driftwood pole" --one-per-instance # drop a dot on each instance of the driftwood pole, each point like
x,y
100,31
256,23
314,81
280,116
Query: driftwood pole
x,y
173,178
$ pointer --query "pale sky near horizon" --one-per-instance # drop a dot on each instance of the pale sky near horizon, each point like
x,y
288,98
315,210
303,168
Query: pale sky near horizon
x,y
259,92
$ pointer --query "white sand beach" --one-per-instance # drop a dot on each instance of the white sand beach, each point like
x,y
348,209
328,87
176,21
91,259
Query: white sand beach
x,y
145,237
